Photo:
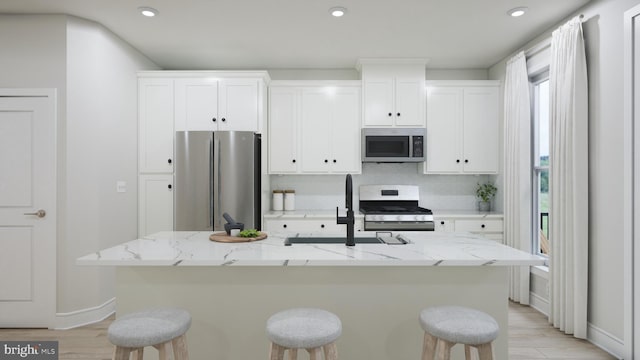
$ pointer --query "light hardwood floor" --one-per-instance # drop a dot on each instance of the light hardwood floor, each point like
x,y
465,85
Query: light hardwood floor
x,y
530,337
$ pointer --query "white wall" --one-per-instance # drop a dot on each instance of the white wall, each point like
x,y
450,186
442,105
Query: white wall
x,y
102,135
603,33
94,73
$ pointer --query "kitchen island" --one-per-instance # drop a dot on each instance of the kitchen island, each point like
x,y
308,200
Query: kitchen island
x,y
377,290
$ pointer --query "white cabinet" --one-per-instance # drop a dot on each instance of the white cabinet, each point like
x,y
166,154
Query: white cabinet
x,y
330,130
489,227
326,226
155,208
283,130
462,127
314,129
393,93
155,124
213,104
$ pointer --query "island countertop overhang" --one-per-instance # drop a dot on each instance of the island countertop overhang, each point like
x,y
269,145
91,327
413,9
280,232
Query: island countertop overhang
x,y
184,248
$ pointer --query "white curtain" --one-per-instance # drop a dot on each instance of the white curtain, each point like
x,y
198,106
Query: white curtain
x,y
517,170
568,181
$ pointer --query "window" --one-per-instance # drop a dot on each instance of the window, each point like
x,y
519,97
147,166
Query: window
x,y
540,171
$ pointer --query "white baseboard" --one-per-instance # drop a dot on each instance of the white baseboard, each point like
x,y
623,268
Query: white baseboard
x,y
539,303
605,341
87,316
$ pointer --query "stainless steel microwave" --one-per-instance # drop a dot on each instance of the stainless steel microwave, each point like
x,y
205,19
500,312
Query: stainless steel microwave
x,y
393,144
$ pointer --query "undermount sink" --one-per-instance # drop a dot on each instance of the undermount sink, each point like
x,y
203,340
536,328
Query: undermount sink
x,y
398,240
329,240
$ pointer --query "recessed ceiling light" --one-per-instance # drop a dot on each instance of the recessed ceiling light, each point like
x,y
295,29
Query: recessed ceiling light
x,y
148,11
519,11
337,11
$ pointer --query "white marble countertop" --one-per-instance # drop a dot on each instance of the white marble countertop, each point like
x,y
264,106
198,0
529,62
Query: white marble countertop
x,y
322,214
186,248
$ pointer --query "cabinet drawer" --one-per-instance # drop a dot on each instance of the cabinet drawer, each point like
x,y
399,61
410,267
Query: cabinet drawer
x,y
479,226
304,226
444,225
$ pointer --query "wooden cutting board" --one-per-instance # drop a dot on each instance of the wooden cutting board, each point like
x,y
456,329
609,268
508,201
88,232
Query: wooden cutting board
x,y
223,237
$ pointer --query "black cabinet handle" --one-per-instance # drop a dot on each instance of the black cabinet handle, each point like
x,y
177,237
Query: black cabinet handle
x,y
335,161
326,161
441,222
293,161
169,161
466,161
458,161
223,119
482,226
214,119
398,114
322,226
284,226
390,114
169,186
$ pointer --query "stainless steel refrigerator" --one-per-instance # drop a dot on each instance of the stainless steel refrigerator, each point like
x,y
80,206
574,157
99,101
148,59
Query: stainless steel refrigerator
x,y
216,173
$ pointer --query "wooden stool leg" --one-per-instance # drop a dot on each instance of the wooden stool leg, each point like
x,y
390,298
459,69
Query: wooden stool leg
x,y
444,349
276,352
293,354
330,351
162,350
315,353
138,354
467,352
120,353
179,345
428,346
485,351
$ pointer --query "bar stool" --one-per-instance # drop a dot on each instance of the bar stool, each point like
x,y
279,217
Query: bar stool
x,y
159,327
304,328
446,326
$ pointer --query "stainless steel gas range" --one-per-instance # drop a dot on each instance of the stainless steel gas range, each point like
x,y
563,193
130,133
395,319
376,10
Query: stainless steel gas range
x,y
394,208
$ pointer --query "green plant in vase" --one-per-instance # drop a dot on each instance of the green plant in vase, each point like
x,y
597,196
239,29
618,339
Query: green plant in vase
x,y
485,194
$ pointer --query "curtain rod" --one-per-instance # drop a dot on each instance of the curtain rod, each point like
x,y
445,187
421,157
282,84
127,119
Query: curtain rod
x,y
542,44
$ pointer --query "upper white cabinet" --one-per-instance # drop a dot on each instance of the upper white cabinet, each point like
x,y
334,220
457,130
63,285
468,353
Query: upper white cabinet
x,y
393,93
155,124
217,104
462,127
314,128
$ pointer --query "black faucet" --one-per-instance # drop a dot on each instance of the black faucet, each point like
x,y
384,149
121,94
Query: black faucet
x,y
349,220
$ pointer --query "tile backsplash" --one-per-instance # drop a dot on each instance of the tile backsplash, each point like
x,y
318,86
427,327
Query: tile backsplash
x,y
325,192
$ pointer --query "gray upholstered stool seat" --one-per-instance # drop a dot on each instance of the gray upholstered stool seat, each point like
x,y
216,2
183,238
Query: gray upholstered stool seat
x,y
153,327
304,328
450,325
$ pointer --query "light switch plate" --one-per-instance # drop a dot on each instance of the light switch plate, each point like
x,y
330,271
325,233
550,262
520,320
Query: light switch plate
x,y
121,186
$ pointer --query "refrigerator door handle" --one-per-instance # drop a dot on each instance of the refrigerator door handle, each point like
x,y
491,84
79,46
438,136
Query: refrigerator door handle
x,y
215,193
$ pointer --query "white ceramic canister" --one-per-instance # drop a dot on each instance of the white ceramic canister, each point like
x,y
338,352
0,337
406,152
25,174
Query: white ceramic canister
x,y
289,200
277,200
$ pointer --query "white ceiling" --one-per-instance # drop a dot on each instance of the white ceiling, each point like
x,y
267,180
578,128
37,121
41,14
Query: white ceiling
x,y
300,34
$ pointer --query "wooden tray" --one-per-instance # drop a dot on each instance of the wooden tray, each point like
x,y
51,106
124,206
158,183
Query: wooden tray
x,y
223,237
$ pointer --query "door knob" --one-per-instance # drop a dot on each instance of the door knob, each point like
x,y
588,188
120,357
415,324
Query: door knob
x,y
40,213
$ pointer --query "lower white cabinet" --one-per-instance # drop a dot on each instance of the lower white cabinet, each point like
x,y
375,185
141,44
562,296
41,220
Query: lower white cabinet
x,y
155,203
305,225
491,228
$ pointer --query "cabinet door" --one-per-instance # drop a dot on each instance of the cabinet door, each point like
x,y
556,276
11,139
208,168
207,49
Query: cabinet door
x,y
196,104
345,132
238,102
283,127
409,102
481,131
155,210
378,102
444,119
315,122
155,121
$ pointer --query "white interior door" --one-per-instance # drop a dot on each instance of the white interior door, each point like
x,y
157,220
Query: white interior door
x,y
27,208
